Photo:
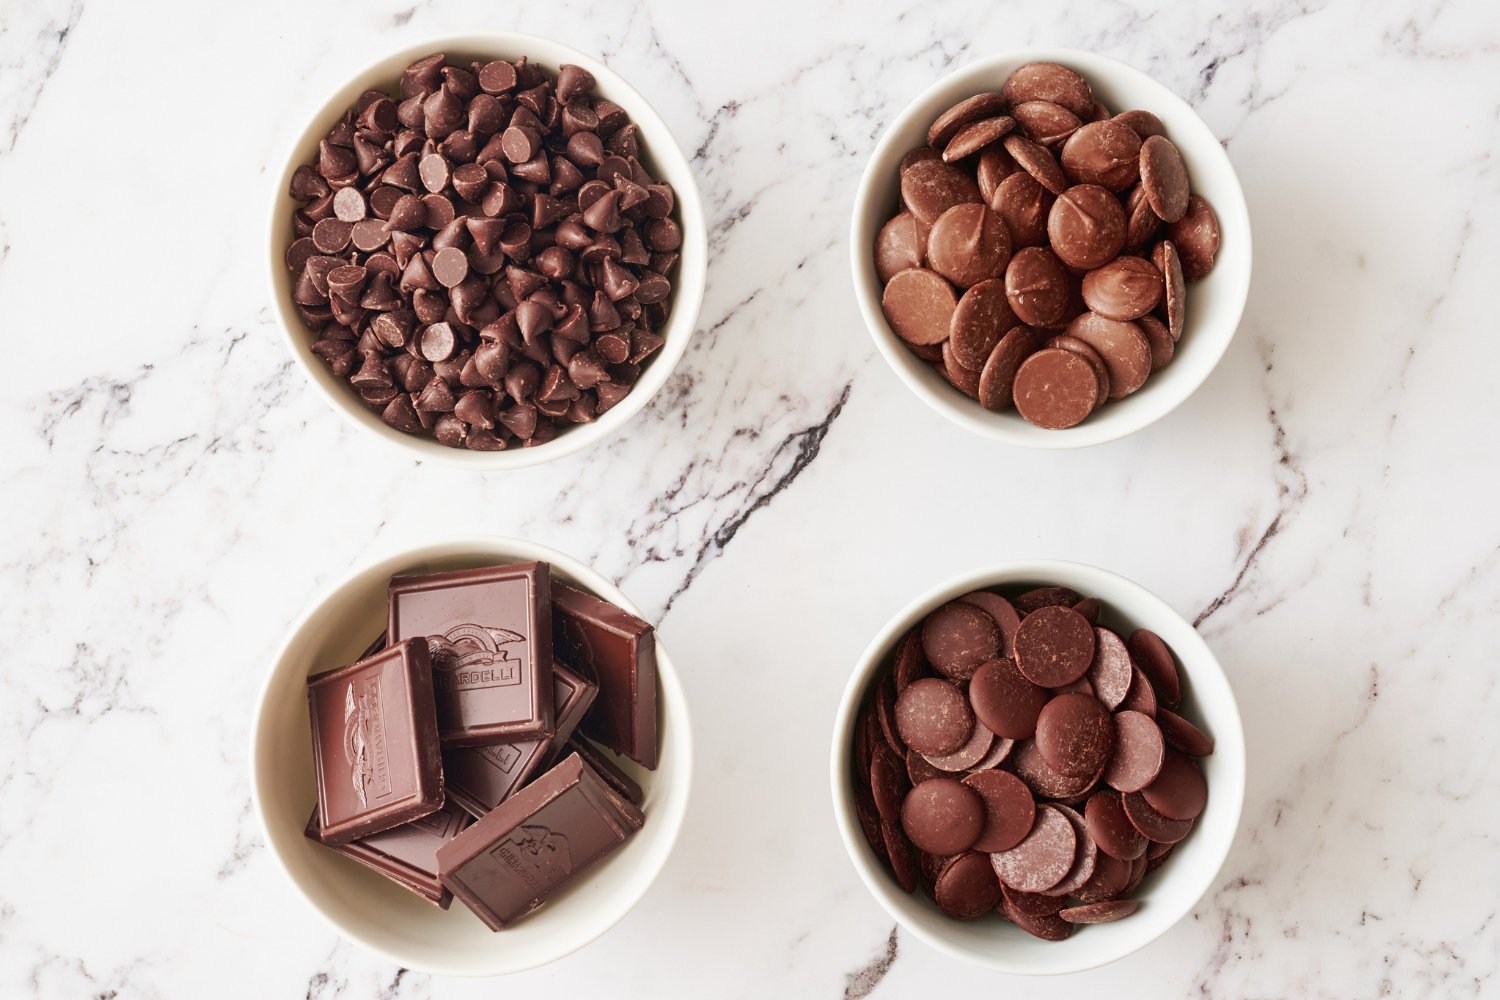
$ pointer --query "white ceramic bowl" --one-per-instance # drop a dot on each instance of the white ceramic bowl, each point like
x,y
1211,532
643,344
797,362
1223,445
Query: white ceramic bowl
x,y
1214,304
661,156
374,912
1168,894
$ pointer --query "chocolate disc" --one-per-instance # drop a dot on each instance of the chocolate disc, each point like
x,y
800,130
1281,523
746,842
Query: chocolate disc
x,y
1043,858
1174,293
919,306
885,712
901,244
982,317
1104,815
999,753
1138,755
1181,734
1046,597
920,769
1038,287
957,638
1122,345
1164,178
1105,153
1054,645
1031,767
968,755
888,782
1045,925
1075,734
933,716
1045,123
997,379
1004,701
1009,809
971,109
968,244
931,187
1110,673
1153,825
967,888
1100,913
1125,288
1179,791
1002,611
1048,81
942,816
1086,226
1142,123
1101,372
909,662
1155,660
976,136
1023,204
1037,162
1140,697
1160,339
1055,389
1196,236
994,166
869,824
965,380
899,855
1109,879
1141,223
1090,608
1084,858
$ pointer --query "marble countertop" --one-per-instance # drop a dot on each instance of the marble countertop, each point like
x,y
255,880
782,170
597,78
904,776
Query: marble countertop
x,y
1324,507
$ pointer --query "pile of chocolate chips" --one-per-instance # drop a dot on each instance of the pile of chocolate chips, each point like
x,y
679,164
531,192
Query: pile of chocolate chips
x,y
1021,759
1042,248
484,258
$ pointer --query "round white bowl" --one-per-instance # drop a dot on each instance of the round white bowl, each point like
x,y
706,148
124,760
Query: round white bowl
x,y
1214,304
1169,893
661,156
376,913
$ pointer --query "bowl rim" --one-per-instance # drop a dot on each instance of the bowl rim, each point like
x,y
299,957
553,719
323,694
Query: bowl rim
x,y
688,288
1198,661
1233,214
669,820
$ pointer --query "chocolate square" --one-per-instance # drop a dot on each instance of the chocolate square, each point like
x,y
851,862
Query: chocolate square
x,y
490,634
533,843
480,778
375,749
618,650
407,854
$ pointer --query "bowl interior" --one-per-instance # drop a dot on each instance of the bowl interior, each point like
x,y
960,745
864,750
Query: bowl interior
x,y
1214,304
1167,894
374,911
660,155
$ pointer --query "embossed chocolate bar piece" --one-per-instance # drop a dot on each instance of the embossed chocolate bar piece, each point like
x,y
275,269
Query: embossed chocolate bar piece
x,y
375,750
407,854
480,778
619,651
490,634
522,852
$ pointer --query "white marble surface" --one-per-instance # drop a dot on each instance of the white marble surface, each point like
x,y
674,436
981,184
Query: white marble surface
x,y
1324,506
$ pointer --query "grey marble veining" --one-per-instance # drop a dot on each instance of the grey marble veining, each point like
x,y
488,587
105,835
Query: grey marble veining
x,y
1323,507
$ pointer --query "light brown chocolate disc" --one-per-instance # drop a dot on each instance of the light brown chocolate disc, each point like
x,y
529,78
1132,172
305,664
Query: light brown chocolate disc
x,y
1086,226
1122,345
1038,286
1024,205
1125,288
1049,81
982,317
901,244
1037,162
931,187
1055,388
998,377
1164,178
1105,153
919,306
1196,236
968,244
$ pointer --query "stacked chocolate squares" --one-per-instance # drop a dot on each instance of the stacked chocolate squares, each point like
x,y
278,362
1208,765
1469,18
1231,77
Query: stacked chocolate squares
x,y
455,757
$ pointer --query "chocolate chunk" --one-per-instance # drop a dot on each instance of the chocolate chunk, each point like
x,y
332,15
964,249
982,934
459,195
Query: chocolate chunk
x,y
490,632
374,731
547,834
618,651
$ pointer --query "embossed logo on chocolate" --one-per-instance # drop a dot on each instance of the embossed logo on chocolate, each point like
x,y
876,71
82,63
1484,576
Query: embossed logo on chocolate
x,y
534,854
470,657
502,755
364,740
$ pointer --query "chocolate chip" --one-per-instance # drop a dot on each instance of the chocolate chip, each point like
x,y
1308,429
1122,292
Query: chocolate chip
x,y
933,717
968,244
931,187
943,816
1106,153
1038,287
1086,226
919,305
